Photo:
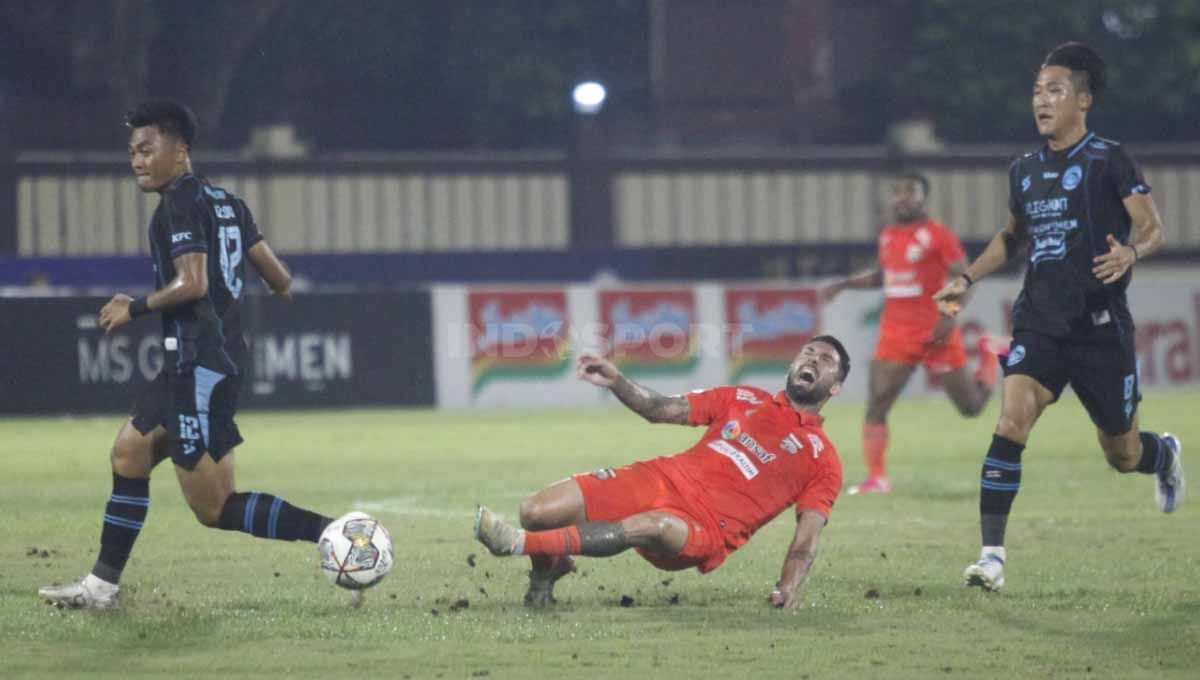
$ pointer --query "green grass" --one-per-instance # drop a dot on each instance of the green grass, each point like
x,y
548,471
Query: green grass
x,y
1100,583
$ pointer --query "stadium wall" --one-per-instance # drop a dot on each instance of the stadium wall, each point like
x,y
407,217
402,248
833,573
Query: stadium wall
x,y
87,206
516,346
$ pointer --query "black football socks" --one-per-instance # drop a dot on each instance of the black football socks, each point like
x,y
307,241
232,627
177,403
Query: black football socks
x,y
999,482
267,516
123,518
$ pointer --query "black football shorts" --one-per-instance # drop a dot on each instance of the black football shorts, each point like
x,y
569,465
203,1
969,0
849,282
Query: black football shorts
x,y
196,408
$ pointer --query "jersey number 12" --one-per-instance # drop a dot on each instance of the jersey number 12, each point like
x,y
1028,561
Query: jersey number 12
x,y
231,257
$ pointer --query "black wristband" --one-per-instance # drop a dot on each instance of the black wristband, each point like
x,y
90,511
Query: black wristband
x,y
1136,257
968,278
139,307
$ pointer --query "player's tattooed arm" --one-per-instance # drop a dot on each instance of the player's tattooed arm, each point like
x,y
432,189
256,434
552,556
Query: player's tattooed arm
x,y
799,560
640,399
651,405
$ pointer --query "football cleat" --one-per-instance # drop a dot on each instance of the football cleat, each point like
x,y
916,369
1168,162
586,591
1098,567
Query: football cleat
x,y
1169,484
871,485
500,537
541,583
988,572
88,593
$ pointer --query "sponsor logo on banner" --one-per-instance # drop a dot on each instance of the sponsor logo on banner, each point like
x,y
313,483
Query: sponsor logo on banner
x,y
517,335
650,331
768,327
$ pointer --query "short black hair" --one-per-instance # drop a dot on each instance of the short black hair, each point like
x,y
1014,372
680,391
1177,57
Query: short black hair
x,y
916,176
1080,59
171,117
843,355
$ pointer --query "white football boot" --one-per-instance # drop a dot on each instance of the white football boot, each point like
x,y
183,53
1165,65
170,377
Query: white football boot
x,y
988,572
500,537
88,593
1169,484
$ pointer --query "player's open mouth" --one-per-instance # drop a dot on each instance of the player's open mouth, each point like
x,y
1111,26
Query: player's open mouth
x,y
1044,117
807,375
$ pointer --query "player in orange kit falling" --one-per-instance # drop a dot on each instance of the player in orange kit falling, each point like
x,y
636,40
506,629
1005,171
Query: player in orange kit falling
x,y
917,256
760,454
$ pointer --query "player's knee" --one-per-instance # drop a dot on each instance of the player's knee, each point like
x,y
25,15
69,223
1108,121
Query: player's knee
x,y
534,514
128,460
1014,427
1119,456
207,513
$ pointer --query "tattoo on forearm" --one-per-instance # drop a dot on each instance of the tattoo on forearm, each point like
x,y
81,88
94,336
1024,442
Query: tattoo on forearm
x,y
650,404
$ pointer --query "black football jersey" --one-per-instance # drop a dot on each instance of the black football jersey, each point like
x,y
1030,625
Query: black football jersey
x,y
1066,203
194,216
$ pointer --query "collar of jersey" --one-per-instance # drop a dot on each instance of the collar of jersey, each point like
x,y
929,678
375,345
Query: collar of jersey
x,y
1051,154
807,419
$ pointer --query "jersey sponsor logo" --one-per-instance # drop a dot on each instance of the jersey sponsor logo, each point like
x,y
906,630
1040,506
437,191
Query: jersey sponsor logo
x,y
1026,182
791,443
1048,207
817,445
1016,355
731,430
747,396
1049,175
900,283
181,236
1072,177
752,445
741,460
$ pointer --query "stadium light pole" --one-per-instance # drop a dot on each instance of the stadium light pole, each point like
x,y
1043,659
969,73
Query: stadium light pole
x,y
590,179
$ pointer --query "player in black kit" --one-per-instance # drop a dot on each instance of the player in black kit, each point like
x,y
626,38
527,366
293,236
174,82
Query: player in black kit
x,y
199,238
1081,207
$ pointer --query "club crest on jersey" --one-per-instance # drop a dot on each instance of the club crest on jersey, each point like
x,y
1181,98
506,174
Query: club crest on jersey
x,y
1016,355
731,430
1026,182
1071,177
914,252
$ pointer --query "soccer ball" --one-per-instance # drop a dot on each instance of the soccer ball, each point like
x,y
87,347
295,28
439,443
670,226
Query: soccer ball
x,y
356,551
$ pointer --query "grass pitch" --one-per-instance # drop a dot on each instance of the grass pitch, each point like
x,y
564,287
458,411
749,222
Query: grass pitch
x,y
1099,583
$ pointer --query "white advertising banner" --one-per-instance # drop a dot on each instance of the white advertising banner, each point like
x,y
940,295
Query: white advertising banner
x,y
516,346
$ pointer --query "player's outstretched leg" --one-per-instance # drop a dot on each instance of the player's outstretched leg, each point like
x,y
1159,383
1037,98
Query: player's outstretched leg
x,y
209,491
655,531
132,460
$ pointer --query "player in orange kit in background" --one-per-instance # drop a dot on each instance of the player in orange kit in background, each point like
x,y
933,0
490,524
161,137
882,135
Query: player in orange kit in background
x,y
917,256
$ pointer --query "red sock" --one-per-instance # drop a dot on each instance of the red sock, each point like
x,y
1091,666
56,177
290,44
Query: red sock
x,y
875,441
564,541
